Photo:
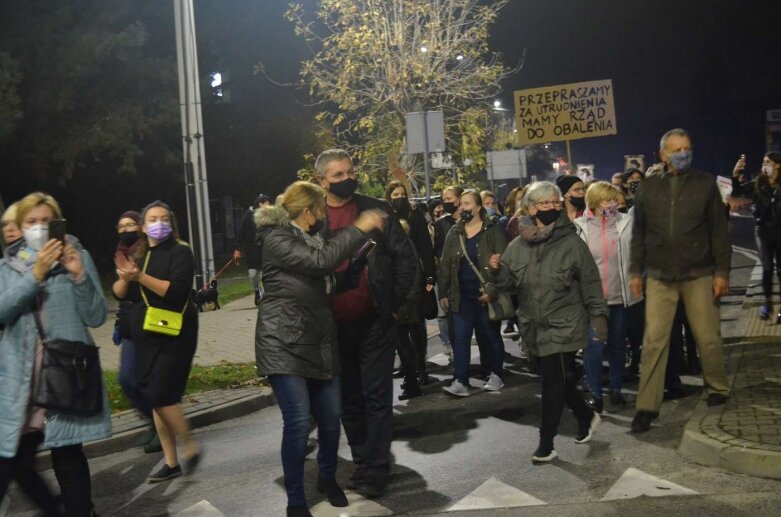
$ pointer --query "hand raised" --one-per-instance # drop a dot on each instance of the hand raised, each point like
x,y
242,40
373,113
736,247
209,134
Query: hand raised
x,y
47,256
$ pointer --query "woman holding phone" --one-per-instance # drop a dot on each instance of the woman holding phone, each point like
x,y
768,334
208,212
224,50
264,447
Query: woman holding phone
x,y
49,284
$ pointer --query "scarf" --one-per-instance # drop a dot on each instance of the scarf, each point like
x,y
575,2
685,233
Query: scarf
x,y
317,242
530,232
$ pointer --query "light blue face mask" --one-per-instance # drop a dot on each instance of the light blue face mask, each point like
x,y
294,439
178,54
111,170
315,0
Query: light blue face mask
x,y
681,160
490,211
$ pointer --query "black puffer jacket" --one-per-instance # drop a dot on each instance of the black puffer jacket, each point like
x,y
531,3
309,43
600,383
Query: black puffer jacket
x,y
767,205
295,332
391,264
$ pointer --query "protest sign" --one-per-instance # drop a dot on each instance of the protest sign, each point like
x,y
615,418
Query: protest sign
x,y
565,112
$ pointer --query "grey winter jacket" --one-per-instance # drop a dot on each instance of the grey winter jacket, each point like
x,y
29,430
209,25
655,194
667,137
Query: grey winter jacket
x,y
68,308
295,332
558,289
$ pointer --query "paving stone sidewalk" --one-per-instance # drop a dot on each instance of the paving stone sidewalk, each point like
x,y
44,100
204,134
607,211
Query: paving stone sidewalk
x,y
744,435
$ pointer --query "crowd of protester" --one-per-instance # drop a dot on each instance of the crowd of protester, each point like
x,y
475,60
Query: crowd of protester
x,y
579,273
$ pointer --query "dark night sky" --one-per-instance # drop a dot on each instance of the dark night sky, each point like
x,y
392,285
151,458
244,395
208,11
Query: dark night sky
x,y
708,66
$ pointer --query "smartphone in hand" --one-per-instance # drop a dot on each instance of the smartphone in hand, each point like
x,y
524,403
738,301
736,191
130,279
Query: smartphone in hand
x,y
365,250
57,229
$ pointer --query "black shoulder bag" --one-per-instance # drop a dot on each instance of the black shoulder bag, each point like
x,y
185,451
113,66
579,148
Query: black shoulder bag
x,y
70,380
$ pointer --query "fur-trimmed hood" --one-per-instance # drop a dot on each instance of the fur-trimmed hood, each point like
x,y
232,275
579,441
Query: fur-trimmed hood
x,y
271,216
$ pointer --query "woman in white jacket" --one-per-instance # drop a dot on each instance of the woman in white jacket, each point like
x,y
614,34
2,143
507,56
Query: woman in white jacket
x,y
608,234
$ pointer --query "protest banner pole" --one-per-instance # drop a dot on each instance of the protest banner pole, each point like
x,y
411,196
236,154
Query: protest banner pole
x,y
569,155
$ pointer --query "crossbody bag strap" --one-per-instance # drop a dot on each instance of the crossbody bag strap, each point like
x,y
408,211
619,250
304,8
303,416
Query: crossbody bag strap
x,y
37,317
141,287
466,256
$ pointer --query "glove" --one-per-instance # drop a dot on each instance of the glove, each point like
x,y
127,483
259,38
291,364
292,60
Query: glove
x,y
600,327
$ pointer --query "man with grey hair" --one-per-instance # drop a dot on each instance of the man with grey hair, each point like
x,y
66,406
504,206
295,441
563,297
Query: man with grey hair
x,y
681,244
365,317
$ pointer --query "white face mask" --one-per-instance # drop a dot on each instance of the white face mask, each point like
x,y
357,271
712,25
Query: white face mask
x,y
36,236
767,169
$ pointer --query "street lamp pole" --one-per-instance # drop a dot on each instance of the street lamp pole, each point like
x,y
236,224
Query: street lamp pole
x,y
198,214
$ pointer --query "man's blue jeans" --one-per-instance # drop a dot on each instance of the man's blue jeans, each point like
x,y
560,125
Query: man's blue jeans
x,y
473,316
616,350
299,399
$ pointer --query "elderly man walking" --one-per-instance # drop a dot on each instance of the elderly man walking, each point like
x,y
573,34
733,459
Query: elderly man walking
x,y
681,244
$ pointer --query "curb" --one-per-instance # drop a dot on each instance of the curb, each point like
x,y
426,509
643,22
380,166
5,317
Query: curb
x,y
705,443
215,414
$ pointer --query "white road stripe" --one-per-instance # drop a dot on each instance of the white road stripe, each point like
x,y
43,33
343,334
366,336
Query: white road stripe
x,y
635,483
495,494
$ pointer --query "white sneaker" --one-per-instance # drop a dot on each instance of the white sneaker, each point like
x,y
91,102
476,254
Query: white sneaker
x,y
494,383
456,389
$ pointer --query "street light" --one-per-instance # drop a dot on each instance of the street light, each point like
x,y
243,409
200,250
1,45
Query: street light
x,y
460,57
497,104
424,49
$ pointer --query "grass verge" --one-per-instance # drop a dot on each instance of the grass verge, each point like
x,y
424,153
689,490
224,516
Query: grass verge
x,y
202,378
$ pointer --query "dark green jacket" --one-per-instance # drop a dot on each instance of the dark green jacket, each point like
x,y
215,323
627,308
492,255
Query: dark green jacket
x,y
492,241
680,237
558,289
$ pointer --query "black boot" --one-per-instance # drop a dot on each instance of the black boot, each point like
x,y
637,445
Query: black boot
x,y
545,451
410,389
332,491
642,421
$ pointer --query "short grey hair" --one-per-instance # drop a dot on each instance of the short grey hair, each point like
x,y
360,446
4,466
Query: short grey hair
x,y
673,132
328,156
540,190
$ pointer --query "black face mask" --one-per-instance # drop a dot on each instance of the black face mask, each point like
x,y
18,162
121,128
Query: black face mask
x,y
623,210
547,217
578,202
401,207
467,216
449,207
315,228
633,187
128,238
343,189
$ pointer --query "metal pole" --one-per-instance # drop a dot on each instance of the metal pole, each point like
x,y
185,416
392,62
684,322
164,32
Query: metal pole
x,y
569,156
426,155
192,135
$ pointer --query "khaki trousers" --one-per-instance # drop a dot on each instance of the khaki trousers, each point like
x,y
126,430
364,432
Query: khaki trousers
x,y
703,313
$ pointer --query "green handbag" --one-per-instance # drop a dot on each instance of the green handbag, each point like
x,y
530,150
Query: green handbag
x,y
161,321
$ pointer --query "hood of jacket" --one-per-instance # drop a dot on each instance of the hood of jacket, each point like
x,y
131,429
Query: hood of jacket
x,y
271,216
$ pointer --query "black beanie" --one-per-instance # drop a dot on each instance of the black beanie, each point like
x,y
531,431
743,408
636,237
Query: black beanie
x,y
565,182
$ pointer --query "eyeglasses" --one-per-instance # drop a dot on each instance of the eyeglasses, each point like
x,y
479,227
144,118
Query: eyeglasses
x,y
548,204
127,226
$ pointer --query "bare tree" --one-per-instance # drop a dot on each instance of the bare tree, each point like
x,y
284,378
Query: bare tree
x,y
373,61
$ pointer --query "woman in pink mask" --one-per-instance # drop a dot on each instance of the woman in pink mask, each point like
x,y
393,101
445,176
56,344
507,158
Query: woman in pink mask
x,y
160,275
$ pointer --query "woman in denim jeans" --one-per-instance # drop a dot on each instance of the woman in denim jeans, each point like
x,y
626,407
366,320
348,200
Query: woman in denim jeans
x,y
608,234
295,340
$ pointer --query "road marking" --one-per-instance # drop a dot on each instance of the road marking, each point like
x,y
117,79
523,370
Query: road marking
x,y
359,506
768,409
495,494
173,486
635,483
201,509
126,470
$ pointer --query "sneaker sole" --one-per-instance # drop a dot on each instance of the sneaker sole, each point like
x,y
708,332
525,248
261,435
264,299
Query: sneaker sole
x,y
493,388
595,421
455,395
545,459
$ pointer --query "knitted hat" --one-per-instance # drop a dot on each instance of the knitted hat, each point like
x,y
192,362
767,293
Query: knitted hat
x,y
566,181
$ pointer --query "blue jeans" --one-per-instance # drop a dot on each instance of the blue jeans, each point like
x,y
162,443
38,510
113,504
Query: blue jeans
x,y
128,379
473,316
299,399
616,350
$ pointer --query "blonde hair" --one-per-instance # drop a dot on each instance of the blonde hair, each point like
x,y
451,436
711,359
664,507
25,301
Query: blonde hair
x,y
34,200
302,195
600,191
9,216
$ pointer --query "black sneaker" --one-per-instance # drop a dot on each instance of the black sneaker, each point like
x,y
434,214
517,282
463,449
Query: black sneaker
x,y
258,296
544,453
595,404
642,421
587,428
410,391
163,473
674,392
333,492
716,399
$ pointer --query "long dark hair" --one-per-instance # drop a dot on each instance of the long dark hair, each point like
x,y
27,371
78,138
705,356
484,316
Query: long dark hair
x,y
763,180
144,240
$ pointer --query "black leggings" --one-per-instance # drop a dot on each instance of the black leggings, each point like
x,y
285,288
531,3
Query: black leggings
x,y
770,255
21,468
558,378
72,472
411,345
